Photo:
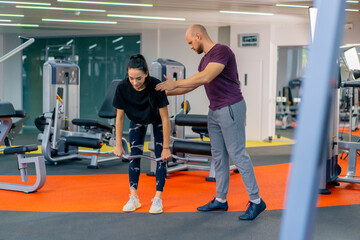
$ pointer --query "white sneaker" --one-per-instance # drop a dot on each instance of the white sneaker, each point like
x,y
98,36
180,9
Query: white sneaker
x,y
156,206
132,204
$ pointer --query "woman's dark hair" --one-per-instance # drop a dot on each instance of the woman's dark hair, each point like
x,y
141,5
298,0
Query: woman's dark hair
x,y
138,61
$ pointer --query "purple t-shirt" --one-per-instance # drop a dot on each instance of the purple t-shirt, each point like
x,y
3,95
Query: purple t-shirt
x,y
224,90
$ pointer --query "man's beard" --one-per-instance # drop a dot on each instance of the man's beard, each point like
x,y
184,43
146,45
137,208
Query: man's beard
x,y
200,50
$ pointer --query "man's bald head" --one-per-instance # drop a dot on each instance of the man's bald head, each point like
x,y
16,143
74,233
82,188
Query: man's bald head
x,y
197,28
198,38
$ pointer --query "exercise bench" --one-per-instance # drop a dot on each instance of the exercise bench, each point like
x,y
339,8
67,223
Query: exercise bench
x,y
6,113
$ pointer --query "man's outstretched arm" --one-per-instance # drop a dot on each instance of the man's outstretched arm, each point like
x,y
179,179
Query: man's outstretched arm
x,y
211,71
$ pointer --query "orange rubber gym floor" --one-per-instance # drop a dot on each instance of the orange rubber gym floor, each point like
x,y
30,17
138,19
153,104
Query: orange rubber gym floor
x,y
103,193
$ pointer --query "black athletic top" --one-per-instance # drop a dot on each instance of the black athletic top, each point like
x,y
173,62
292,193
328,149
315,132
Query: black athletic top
x,y
140,106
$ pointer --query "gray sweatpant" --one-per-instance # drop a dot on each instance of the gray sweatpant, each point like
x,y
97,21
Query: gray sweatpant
x,y
227,136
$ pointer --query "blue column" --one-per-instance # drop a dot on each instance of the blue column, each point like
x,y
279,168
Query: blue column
x,y
314,113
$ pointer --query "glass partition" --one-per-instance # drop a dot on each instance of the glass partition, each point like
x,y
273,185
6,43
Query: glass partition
x,y
101,59
290,70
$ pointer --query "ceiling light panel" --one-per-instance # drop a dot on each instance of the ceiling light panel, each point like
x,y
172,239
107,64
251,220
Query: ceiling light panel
x,y
107,3
247,13
18,25
118,39
303,6
350,45
61,9
146,17
26,3
77,21
119,47
93,46
291,5
11,15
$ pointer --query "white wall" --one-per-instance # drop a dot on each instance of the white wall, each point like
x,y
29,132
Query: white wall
x,y
260,65
290,35
149,47
352,35
10,72
255,62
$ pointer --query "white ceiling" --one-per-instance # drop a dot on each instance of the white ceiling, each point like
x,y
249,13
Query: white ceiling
x,y
195,11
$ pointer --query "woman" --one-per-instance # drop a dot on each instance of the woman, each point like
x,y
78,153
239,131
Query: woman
x,y
136,97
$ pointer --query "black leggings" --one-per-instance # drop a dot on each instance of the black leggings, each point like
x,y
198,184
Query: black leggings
x,y
137,134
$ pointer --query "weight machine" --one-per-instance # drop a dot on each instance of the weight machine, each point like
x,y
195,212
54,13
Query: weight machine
x,y
352,63
7,112
60,139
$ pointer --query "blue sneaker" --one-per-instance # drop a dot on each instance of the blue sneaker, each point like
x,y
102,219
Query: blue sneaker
x,y
214,205
253,210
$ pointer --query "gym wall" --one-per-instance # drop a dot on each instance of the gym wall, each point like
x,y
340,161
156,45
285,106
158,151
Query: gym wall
x,y
261,109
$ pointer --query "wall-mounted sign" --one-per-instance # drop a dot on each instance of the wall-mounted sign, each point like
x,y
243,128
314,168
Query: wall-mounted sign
x,y
248,40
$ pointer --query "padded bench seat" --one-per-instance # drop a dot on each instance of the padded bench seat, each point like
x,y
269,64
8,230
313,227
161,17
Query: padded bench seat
x,y
7,110
200,148
194,120
83,142
200,130
90,123
20,149
19,114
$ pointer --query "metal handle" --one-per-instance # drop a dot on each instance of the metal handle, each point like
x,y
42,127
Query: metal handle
x,y
16,50
126,156
185,159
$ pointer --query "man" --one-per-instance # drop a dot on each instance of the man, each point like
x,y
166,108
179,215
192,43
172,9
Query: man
x,y
217,71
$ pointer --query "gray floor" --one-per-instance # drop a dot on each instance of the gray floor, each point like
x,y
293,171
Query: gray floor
x,y
339,222
288,133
